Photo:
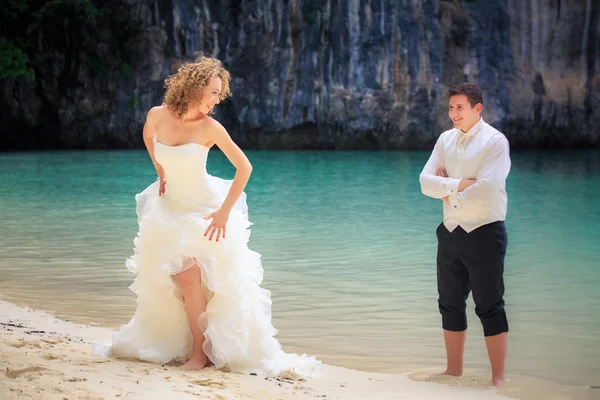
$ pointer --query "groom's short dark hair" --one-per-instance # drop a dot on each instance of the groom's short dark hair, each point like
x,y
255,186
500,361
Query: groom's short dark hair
x,y
472,91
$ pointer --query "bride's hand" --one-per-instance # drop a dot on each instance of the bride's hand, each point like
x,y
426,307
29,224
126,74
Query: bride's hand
x,y
161,176
218,225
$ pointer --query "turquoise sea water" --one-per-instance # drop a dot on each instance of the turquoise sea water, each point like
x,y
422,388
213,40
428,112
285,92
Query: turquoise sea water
x,y
348,245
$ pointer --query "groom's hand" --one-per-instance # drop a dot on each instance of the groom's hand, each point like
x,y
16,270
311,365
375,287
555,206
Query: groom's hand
x,y
441,172
465,183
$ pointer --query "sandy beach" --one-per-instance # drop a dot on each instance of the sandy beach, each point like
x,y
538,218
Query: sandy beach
x,y
43,357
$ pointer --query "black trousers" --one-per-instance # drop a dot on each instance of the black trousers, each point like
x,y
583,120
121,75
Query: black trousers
x,y
472,262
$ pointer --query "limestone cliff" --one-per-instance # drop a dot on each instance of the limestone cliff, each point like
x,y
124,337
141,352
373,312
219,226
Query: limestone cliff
x,y
344,74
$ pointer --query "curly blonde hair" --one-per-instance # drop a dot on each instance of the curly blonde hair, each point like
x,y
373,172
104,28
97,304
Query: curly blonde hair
x,y
184,89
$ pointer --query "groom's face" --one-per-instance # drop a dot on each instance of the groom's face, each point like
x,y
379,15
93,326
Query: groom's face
x,y
462,113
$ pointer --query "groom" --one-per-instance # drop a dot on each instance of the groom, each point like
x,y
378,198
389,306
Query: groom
x,y
467,170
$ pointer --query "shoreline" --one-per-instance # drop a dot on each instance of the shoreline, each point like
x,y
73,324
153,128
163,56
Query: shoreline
x,y
44,357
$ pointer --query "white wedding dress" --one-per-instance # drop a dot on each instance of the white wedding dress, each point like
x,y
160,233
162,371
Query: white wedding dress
x,y
237,322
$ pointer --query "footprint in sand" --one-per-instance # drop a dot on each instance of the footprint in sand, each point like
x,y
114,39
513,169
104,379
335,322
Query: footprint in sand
x,y
209,383
19,344
52,357
34,344
18,372
51,341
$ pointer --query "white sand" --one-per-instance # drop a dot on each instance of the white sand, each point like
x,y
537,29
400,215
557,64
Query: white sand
x,y
43,357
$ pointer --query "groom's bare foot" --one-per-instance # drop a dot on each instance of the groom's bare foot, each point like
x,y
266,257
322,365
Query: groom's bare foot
x,y
195,363
451,372
498,381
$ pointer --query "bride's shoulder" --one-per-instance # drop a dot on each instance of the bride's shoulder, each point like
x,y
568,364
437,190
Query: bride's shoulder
x,y
214,132
213,125
156,112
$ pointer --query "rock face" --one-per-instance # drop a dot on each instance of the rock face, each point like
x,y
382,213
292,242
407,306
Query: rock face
x,y
325,74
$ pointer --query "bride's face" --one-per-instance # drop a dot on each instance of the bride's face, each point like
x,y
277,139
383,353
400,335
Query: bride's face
x,y
211,95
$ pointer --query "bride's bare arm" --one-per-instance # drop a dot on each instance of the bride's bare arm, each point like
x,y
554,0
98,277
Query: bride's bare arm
x,y
239,160
236,156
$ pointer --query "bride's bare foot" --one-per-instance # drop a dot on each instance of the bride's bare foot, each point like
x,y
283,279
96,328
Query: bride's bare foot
x,y
499,381
196,363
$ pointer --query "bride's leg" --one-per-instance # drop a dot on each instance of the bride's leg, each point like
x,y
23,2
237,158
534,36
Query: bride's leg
x,y
195,305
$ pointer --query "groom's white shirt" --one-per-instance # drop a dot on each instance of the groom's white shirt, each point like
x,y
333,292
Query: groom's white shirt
x,y
482,153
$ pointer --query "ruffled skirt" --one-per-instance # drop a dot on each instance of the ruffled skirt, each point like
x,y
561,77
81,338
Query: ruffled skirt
x,y
237,321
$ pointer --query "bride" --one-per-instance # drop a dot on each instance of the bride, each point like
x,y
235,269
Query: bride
x,y
197,282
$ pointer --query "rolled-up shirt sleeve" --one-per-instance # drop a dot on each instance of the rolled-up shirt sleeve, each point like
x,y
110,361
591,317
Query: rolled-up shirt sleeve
x,y
492,175
435,186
